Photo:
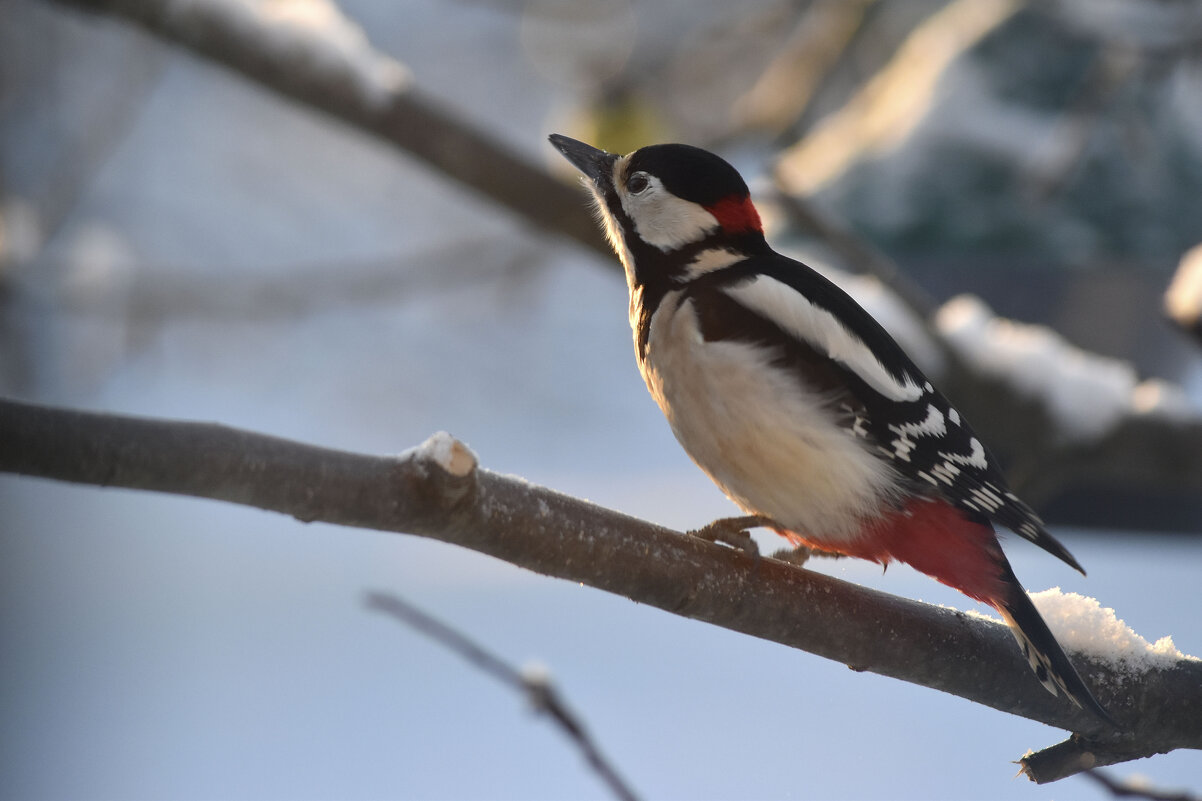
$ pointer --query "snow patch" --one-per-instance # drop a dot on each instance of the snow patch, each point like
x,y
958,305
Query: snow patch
x,y
312,32
447,452
1086,394
535,674
1082,624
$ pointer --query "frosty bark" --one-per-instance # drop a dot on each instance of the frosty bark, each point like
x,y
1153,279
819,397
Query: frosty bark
x,y
564,537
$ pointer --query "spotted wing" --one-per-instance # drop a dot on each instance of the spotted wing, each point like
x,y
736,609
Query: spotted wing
x,y
817,331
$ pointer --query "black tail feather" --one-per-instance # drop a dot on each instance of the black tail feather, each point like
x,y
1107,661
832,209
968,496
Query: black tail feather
x,y
1047,659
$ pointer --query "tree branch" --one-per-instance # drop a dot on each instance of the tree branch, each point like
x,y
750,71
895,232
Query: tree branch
x,y
438,491
535,684
397,113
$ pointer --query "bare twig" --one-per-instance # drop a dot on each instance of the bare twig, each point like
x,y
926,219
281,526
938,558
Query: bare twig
x,y
1130,790
438,492
537,686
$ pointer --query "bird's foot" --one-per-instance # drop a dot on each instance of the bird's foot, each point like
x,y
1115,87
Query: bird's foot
x,y
733,531
797,555
800,554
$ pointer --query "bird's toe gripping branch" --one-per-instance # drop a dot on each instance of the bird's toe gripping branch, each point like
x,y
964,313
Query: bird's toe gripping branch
x,y
734,531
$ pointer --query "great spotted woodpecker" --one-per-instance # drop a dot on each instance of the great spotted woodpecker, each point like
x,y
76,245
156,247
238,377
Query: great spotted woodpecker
x,y
796,402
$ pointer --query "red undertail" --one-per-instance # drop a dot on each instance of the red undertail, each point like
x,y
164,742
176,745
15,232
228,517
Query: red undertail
x,y
938,539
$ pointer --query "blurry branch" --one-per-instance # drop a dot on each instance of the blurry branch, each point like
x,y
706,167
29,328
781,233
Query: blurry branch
x,y
889,105
794,76
1112,67
535,684
1131,789
855,254
146,296
438,491
396,112
69,173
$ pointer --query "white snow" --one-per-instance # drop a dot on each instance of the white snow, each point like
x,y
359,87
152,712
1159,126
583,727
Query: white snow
x,y
1082,624
535,674
309,32
1086,394
1183,300
447,452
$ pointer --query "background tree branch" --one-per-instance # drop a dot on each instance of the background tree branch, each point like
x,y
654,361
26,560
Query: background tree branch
x,y
400,114
438,491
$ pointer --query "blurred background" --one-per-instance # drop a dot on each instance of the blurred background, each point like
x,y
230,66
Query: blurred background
x,y
179,242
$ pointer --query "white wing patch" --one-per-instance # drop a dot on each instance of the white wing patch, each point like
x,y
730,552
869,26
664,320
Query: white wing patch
x,y
789,309
708,261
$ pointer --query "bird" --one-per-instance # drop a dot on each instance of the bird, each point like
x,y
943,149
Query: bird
x,y
797,403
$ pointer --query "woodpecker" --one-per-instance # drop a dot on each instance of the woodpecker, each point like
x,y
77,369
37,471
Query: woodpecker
x,y
797,403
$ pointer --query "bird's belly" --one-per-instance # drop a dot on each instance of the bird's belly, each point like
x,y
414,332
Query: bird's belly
x,y
774,446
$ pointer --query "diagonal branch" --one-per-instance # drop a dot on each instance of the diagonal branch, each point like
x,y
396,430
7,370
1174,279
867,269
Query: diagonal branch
x,y
535,684
346,85
438,491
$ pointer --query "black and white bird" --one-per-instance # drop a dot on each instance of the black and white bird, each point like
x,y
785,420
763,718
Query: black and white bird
x,y
796,402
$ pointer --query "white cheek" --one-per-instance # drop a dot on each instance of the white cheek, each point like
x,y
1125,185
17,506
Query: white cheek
x,y
664,220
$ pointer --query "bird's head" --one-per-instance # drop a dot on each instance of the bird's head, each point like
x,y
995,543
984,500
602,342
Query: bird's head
x,y
667,208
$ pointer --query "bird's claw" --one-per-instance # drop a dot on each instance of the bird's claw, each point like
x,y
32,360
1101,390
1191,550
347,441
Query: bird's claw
x,y
794,556
733,531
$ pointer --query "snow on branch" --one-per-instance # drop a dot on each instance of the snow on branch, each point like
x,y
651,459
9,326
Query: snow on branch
x,y
1085,394
309,52
438,491
312,34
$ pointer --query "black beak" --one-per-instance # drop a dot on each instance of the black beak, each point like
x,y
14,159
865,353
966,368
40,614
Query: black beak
x,y
594,163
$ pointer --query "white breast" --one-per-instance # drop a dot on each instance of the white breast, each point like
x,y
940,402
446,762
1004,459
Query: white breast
x,y
771,444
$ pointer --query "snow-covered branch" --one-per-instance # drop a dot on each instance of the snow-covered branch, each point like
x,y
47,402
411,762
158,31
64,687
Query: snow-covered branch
x,y
324,61
438,491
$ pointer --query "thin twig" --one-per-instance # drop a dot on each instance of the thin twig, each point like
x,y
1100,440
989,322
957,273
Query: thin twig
x,y
1129,790
536,685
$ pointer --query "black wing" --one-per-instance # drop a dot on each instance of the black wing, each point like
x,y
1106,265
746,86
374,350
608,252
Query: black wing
x,y
917,430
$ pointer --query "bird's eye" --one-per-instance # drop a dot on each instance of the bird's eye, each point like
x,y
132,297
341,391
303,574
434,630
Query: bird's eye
x,y
637,184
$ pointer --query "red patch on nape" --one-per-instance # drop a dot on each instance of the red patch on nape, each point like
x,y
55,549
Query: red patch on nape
x,y
936,538
736,214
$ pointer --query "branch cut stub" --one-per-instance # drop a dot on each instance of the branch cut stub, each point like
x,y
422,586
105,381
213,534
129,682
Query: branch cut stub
x,y
447,465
